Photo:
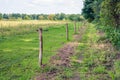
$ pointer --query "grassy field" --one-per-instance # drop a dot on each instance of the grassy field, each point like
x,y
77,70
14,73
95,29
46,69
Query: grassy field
x,y
28,22
19,47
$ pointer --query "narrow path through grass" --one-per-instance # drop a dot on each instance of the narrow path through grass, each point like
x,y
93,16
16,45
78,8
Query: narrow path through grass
x,y
97,56
93,58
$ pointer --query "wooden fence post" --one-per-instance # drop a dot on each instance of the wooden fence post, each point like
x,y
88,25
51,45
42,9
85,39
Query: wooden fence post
x,y
78,27
40,46
67,32
75,27
2,31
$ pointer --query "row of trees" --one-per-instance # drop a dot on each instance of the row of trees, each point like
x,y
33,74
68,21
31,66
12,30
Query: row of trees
x,y
106,11
107,14
61,16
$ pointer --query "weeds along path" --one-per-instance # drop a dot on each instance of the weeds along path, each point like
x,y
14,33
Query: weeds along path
x,y
96,57
62,60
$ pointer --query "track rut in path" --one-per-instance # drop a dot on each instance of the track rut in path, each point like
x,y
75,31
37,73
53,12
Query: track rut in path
x,y
61,59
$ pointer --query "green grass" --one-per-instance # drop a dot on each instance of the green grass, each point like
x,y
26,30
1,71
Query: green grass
x,y
96,62
19,48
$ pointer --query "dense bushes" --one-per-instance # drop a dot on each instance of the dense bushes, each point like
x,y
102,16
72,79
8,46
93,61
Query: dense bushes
x,y
107,14
113,34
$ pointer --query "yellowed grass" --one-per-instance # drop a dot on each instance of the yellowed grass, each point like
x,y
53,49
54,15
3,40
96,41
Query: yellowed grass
x,y
29,22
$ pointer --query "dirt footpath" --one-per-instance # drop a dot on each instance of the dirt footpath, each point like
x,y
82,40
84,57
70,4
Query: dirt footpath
x,y
62,59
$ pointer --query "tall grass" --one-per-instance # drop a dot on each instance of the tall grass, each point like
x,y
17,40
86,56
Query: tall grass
x,y
29,22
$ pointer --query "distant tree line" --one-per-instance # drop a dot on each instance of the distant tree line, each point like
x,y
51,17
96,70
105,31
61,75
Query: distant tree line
x,y
59,16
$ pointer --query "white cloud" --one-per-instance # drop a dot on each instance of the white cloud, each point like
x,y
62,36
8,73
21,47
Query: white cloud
x,y
41,6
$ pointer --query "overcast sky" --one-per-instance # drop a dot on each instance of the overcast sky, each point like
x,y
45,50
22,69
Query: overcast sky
x,y
41,6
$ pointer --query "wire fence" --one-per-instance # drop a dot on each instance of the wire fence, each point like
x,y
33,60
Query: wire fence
x,y
25,38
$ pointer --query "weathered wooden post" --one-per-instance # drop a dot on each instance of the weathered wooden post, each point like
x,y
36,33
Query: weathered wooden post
x,y
2,31
78,27
67,32
40,46
75,27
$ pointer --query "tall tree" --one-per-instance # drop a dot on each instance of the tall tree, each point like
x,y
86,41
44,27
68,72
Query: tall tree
x,y
5,16
51,17
0,16
61,16
88,11
96,6
41,17
110,13
74,17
